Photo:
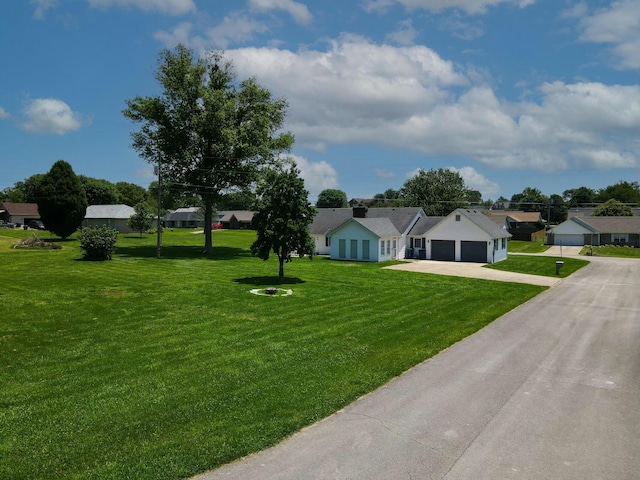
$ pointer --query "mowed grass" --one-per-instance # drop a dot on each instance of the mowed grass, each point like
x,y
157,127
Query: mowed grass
x,y
611,251
520,246
539,265
161,369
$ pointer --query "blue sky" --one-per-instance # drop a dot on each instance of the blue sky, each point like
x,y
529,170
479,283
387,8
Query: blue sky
x,y
510,93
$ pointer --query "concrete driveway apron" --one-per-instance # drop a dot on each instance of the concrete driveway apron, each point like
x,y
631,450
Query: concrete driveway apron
x,y
550,390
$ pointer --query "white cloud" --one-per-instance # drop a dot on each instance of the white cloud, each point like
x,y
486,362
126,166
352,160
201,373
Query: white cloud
x,y
476,181
50,115
317,176
460,29
236,27
170,7
298,11
41,7
357,92
469,6
3,114
405,34
618,25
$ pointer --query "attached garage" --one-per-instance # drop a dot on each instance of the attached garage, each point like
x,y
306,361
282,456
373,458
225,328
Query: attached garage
x,y
444,250
473,251
569,240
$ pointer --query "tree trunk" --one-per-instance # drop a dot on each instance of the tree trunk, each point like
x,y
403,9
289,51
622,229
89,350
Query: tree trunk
x,y
281,269
208,217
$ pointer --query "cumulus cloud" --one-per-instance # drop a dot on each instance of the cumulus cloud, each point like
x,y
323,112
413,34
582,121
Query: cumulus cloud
x,y
170,7
469,6
3,114
405,34
617,25
476,181
50,115
298,11
317,176
357,92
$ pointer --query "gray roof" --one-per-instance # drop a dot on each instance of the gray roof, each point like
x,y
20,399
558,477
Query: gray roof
x,y
610,224
241,215
109,211
381,227
328,219
482,221
184,214
425,224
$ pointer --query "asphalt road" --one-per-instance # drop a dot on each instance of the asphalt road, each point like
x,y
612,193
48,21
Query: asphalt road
x,y
550,390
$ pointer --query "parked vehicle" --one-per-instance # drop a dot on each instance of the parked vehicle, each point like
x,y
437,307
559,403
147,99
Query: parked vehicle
x,y
37,224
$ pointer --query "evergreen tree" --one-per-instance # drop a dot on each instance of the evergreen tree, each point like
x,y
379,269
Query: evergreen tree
x,y
283,217
62,202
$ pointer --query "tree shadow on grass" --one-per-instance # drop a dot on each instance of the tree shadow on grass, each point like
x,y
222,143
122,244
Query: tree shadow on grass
x,y
180,252
268,281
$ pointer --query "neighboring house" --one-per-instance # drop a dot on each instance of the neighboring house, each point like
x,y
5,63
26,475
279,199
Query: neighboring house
x,y
465,236
527,226
186,217
327,220
112,216
579,231
237,219
18,213
417,247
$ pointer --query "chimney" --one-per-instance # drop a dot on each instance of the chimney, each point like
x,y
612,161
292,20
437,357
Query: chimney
x,y
360,211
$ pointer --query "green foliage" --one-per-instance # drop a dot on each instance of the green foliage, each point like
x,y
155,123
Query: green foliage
x,y
578,197
99,192
612,208
558,209
62,202
332,198
141,220
208,132
23,192
240,200
98,243
283,217
625,192
530,200
438,192
130,193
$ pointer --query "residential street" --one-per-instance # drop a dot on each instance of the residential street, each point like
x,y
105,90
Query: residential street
x,y
550,390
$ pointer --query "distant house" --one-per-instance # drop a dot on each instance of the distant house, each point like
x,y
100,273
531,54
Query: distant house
x,y
579,231
465,235
18,213
112,216
527,226
358,239
186,217
237,219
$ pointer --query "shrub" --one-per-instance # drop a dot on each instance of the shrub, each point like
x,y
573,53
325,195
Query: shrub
x,y
98,243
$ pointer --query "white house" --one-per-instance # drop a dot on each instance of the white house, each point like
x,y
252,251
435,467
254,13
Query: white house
x,y
365,239
465,236
112,216
579,231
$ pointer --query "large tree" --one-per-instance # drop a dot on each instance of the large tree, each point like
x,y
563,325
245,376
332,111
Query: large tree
x,y
438,192
62,202
557,210
99,191
332,198
207,132
579,197
612,208
131,194
23,192
625,192
142,219
283,217
530,200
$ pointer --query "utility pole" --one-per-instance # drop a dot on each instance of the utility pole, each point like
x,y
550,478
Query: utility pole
x,y
159,247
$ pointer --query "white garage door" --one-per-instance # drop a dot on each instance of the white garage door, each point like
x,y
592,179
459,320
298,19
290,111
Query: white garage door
x,y
569,239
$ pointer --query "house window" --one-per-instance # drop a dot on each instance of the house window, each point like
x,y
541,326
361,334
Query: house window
x,y
327,241
365,249
504,243
619,237
388,247
381,248
457,218
354,248
342,248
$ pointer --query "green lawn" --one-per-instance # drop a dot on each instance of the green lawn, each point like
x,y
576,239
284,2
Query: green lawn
x,y
150,369
542,265
520,246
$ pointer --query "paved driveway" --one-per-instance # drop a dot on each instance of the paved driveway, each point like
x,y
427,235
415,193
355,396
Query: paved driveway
x,y
550,390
